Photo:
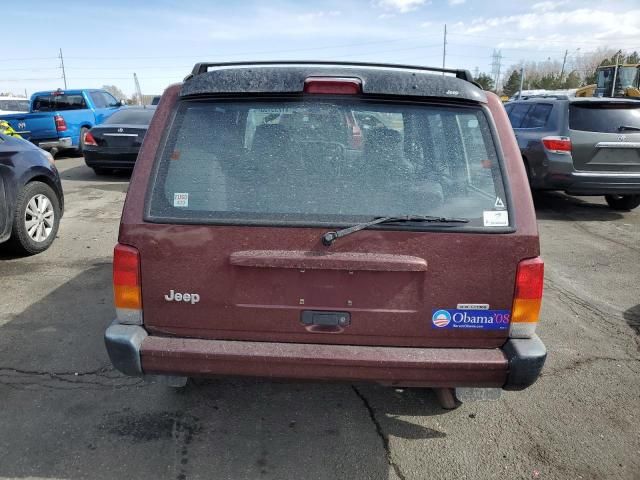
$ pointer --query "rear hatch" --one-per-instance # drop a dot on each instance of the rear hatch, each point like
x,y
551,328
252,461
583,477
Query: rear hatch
x,y
239,200
605,136
33,126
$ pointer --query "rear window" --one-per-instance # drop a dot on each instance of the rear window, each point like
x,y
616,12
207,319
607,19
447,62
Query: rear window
x,y
131,117
51,103
603,117
330,162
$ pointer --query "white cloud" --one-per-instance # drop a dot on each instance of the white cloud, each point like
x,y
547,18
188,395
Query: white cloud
x,y
548,6
543,28
456,2
402,6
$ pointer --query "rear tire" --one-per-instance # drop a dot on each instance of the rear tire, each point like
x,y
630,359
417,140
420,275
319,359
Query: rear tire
x,y
623,202
35,220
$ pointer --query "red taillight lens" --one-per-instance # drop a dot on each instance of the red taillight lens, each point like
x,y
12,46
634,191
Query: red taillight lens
x,y
89,140
527,298
61,125
557,144
333,85
126,280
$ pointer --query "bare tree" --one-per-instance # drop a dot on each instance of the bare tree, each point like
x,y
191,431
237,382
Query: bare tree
x,y
115,91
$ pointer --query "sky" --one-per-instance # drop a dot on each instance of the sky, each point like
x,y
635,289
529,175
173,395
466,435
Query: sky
x,y
104,43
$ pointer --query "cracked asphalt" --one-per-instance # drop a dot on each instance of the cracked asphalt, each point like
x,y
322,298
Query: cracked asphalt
x,y
66,414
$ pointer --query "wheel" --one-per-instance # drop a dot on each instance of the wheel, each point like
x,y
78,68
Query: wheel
x,y
35,220
83,132
623,202
100,171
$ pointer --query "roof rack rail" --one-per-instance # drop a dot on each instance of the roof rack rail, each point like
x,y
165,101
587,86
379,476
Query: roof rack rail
x,y
204,67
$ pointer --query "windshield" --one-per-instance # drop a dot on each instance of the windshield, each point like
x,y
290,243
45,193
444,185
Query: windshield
x,y
15,105
625,78
307,162
131,117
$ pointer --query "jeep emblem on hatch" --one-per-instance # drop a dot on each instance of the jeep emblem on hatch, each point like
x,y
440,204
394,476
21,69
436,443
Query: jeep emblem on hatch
x,y
174,296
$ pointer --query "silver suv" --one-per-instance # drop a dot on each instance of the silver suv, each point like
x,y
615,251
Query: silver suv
x,y
583,146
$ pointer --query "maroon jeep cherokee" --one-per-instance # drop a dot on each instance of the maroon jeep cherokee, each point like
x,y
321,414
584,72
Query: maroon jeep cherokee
x,y
340,221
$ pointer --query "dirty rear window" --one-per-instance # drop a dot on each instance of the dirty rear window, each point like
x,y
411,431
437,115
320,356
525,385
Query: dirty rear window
x,y
327,162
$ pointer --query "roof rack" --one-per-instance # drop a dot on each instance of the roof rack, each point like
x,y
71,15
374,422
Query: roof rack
x,y
204,67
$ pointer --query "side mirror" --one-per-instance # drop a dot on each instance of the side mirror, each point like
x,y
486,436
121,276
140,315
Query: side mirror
x,y
122,102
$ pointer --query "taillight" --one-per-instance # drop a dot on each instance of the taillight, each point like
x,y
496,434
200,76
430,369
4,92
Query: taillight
x,y
333,85
126,285
557,144
61,125
89,140
527,298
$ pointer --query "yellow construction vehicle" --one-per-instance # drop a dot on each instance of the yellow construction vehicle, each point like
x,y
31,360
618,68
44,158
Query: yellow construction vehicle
x,y
617,81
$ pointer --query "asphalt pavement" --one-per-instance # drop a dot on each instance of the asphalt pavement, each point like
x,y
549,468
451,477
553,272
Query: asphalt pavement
x,y
66,414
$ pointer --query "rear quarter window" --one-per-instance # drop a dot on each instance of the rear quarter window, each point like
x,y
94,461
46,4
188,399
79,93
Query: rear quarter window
x,y
518,113
325,162
537,116
604,117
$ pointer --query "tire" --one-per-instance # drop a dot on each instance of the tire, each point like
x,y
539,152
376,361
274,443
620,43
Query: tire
x,y
83,132
623,202
39,198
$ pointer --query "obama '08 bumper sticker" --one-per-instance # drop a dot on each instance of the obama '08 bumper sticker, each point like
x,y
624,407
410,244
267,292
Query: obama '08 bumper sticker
x,y
471,319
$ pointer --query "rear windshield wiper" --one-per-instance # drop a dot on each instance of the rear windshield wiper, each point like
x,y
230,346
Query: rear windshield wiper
x,y
329,237
628,127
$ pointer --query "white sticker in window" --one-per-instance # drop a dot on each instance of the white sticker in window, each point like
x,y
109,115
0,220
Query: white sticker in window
x,y
182,200
496,218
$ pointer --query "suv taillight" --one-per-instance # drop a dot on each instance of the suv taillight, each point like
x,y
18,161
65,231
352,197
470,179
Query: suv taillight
x,y
126,285
557,144
61,125
527,298
89,140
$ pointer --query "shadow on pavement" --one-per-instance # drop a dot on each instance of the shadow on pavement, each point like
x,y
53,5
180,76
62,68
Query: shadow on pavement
x,y
559,206
632,316
82,173
67,414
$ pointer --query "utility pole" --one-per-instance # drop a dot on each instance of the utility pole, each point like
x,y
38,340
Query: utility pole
x,y
476,72
64,75
564,61
444,47
138,91
521,81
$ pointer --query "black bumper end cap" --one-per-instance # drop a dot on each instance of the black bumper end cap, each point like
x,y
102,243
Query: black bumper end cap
x,y
526,357
123,344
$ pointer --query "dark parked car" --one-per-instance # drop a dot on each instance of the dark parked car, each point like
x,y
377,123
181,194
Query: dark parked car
x,y
115,143
31,198
583,146
253,247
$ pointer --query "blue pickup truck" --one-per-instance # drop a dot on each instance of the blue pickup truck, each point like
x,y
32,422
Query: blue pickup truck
x,y
58,120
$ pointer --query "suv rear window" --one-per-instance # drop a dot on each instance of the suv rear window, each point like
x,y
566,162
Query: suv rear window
x,y
329,162
603,117
51,103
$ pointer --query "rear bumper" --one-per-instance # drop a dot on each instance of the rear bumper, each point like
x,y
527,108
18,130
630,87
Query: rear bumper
x,y
119,159
514,367
59,144
558,173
